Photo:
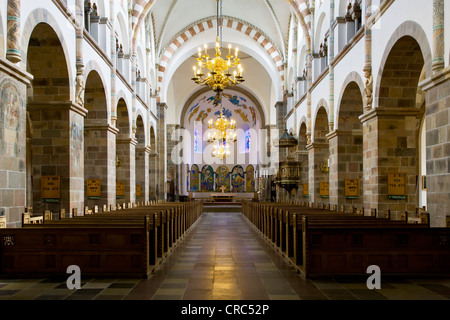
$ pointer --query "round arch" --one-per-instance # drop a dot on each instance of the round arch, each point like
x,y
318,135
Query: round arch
x,y
93,66
36,17
415,31
249,39
321,105
352,77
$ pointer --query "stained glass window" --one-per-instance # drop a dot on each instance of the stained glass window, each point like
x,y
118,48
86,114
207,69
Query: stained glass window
x,y
248,139
197,147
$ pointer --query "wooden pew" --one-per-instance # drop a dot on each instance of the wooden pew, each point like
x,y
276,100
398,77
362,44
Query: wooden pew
x,y
397,248
99,249
107,229
291,217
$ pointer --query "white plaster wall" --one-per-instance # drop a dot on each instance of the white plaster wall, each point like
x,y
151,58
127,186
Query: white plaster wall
x,y
321,91
399,12
352,62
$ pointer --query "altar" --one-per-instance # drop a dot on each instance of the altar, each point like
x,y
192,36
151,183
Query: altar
x,y
223,196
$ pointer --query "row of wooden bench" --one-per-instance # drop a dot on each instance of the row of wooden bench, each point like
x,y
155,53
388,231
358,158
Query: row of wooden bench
x,y
121,243
320,242
29,217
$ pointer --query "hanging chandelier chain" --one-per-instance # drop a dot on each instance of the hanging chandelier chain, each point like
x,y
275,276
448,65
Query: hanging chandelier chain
x,y
218,78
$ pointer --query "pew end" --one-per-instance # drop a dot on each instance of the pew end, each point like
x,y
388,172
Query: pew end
x,y
2,222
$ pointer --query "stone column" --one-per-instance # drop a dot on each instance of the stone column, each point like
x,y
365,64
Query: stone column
x,y
438,35
142,171
13,33
100,162
161,162
345,163
368,90
58,152
153,177
79,50
318,152
308,97
126,150
390,146
113,55
13,143
437,90
331,68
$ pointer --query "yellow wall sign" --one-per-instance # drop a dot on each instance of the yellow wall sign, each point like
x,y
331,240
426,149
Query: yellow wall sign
x,y
94,188
50,188
397,186
138,190
325,189
352,188
120,189
306,189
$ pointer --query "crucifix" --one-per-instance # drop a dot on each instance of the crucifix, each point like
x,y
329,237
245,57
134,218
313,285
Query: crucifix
x,y
223,188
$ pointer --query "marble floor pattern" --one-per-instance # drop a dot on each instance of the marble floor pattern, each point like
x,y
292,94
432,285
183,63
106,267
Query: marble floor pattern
x,y
224,258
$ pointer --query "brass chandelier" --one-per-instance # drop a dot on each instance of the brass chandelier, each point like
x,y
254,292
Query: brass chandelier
x,y
219,69
219,77
222,136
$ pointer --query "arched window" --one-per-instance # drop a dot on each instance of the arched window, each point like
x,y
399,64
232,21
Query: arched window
x,y
248,140
197,147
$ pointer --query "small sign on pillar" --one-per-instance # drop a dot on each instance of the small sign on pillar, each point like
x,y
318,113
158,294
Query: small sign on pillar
x,y
306,190
324,189
94,189
120,190
397,186
138,191
352,188
51,188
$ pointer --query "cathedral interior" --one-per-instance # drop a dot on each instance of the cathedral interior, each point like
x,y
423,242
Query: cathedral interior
x,y
224,149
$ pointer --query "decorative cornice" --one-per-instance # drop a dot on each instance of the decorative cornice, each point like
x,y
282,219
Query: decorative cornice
x,y
106,127
319,145
15,71
384,112
435,79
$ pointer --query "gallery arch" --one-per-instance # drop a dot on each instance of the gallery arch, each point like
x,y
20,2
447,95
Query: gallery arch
x,y
56,139
395,166
346,151
99,146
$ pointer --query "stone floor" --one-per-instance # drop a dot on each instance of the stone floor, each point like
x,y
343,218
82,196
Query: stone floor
x,y
224,258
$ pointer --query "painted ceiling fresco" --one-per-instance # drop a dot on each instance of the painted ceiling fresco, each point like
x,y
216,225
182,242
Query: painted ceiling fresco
x,y
236,106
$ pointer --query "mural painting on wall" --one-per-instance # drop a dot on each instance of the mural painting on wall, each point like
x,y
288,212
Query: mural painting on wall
x,y
238,179
250,179
222,178
77,141
195,177
206,106
207,176
10,119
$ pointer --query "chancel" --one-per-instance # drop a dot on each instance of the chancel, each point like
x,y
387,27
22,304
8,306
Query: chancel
x,y
255,145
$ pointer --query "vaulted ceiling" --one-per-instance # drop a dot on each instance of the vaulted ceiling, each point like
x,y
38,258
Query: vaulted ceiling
x,y
260,28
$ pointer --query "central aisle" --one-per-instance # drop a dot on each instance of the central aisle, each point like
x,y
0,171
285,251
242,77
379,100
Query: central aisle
x,y
224,258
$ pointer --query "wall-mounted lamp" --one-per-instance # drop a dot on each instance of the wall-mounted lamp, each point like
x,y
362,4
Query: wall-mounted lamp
x,y
325,166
